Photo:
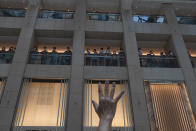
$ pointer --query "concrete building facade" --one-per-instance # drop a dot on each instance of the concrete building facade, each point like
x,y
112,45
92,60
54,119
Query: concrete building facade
x,y
81,33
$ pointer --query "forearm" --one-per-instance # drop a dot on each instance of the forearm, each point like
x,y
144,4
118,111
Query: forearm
x,y
105,125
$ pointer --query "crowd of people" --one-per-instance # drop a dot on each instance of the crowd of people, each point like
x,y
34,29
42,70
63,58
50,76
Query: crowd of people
x,y
51,58
163,60
105,57
6,56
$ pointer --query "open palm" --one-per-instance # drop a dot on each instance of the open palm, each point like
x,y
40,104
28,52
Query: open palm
x,y
107,104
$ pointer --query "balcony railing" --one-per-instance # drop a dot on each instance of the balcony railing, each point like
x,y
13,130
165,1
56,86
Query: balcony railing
x,y
97,60
158,61
104,16
12,13
6,58
149,19
50,59
186,20
56,14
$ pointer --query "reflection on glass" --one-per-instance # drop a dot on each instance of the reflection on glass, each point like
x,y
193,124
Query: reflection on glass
x,y
158,61
149,19
100,60
42,104
50,59
122,119
12,12
56,14
169,107
104,16
6,57
186,20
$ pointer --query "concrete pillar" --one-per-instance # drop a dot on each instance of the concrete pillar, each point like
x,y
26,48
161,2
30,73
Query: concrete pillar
x,y
17,68
75,104
140,115
181,52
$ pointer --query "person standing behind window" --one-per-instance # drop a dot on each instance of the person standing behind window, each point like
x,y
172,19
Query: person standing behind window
x,y
94,58
68,55
140,52
54,56
101,57
108,56
162,60
2,55
114,59
9,55
171,61
34,55
122,57
44,55
150,59
88,57
140,55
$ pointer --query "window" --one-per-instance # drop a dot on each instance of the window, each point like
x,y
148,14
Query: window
x,y
2,84
42,103
149,19
103,16
186,20
169,107
12,12
122,119
56,14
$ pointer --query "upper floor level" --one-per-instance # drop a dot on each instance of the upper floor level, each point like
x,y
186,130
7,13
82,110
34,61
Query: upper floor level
x,y
107,5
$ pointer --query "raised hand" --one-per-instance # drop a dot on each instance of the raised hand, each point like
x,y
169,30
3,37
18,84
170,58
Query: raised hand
x,y
107,106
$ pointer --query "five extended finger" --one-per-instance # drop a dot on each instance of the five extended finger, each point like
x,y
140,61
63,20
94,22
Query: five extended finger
x,y
112,90
119,96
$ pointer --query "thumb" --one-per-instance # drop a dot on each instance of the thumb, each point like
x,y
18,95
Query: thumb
x,y
95,105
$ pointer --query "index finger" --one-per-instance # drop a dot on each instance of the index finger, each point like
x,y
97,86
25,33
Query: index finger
x,y
100,90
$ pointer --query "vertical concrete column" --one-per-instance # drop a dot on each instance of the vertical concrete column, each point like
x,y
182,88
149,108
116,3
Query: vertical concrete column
x,y
75,104
15,76
181,52
140,116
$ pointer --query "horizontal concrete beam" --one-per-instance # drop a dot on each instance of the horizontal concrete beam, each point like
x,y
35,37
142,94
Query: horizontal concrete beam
x,y
54,24
151,28
105,72
11,22
92,25
47,71
104,26
58,71
162,74
188,29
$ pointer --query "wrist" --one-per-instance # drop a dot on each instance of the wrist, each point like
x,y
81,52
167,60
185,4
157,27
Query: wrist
x,y
105,120
105,125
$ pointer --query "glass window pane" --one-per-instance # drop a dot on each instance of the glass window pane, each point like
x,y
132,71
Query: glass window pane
x,y
2,84
171,107
42,104
122,117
